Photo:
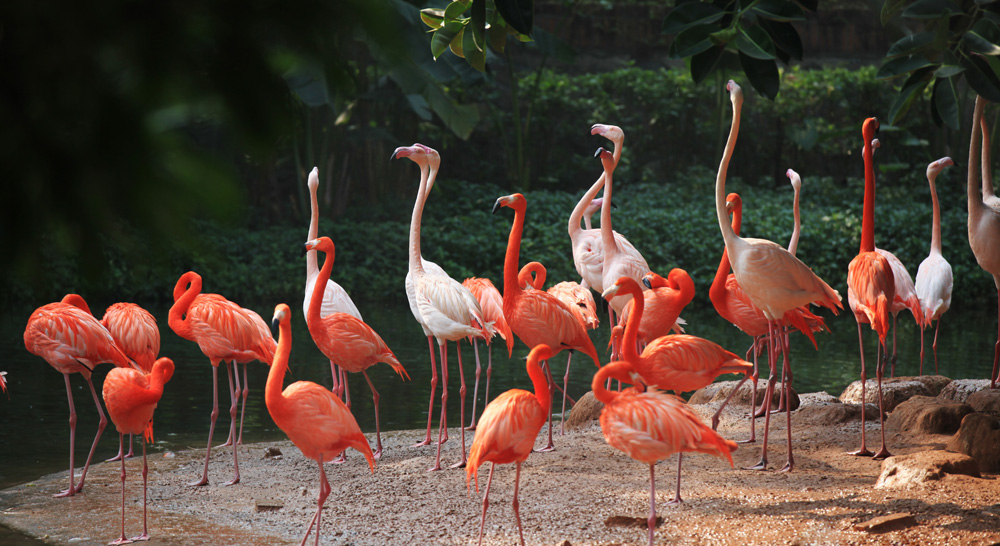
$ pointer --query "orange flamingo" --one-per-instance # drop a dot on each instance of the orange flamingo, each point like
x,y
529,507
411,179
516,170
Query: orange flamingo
x,y
651,426
870,284
71,340
131,397
665,298
315,419
134,330
774,280
537,317
346,339
446,309
335,298
223,332
984,226
934,277
491,302
507,431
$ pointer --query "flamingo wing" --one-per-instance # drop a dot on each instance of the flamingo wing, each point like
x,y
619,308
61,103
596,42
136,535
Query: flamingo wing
x,y
134,330
507,429
352,344
906,294
321,426
774,279
446,303
934,285
70,339
335,299
684,362
539,317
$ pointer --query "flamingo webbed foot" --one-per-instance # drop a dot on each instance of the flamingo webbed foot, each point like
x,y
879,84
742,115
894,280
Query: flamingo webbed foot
x,y
882,454
676,501
460,464
470,428
863,452
199,483
66,493
234,481
122,540
141,538
762,465
788,467
422,443
545,449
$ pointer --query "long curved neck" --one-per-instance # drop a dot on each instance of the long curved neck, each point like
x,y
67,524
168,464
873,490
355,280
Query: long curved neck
x,y
974,191
607,235
276,375
728,235
868,212
936,217
418,211
615,370
631,335
510,288
178,317
316,301
793,244
578,212
312,262
540,384
717,291
987,163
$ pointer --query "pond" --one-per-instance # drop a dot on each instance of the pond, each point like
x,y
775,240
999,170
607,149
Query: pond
x,y
35,417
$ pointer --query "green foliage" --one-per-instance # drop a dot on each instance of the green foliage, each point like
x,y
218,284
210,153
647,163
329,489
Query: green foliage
x,y
486,27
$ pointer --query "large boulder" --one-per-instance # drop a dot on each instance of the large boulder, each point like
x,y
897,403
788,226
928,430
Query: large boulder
x,y
828,410
985,401
979,438
894,392
718,391
961,389
928,415
935,383
586,409
923,466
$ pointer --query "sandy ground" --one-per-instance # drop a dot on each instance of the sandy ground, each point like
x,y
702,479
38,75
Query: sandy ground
x,y
585,492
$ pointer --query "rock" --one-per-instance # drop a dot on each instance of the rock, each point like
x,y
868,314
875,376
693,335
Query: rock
x,y
979,438
894,392
718,391
834,413
929,415
936,383
985,401
923,466
587,409
884,524
813,398
961,389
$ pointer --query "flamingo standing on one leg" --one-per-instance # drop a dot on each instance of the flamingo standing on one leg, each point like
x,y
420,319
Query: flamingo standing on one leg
x,y
447,309
134,330
345,339
315,419
71,340
934,277
537,317
650,426
223,332
871,287
131,397
491,302
507,430
774,280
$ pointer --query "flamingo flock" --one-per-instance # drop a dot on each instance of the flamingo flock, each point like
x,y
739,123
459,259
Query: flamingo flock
x,y
761,287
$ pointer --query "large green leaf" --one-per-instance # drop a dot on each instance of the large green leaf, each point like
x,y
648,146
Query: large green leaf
x,y
910,44
755,42
785,37
473,54
443,37
948,70
914,85
982,78
763,75
455,10
703,63
479,23
945,101
497,33
691,41
517,13
901,65
432,17
690,15
983,38
890,9
931,9
778,10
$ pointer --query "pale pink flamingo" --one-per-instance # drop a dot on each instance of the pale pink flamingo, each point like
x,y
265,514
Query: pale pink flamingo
x,y
335,298
131,396
775,281
345,339
537,317
223,332
315,419
934,277
265,355
447,309
989,197
651,426
71,340
134,330
984,227
491,302
507,431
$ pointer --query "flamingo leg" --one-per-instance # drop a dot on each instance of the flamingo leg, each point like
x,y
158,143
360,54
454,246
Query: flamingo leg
x,y
475,389
548,374
755,375
337,387
145,473
934,345
122,540
677,495
516,504
129,455
651,522
461,407
562,420
443,422
211,428
883,452
486,502
716,416
232,427
430,408
892,369
72,439
243,409
324,492
787,386
862,451
922,349
378,431
996,347
346,390
772,359
100,429
489,372
232,370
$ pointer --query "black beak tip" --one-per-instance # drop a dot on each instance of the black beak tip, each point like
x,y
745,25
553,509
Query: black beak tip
x,y
496,206
597,153
305,249
274,326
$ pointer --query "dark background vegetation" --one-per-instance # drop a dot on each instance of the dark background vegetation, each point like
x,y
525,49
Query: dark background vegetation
x,y
143,140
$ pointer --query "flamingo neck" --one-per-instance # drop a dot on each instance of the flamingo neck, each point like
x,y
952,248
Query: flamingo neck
x,y
607,234
276,375
793,243
510,288
935,217
614,370
728,234
418,210
178,318
578,212
987,163
630,337
540,384
974,192
717,292
868,212
312,265
316,301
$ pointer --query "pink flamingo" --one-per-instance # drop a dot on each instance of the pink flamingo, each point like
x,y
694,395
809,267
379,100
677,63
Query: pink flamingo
x,y
446,308
984,227
315,419
537,317
775,281
71,340
346,339
989,197
335,298
665,298
223,332
491,302
131,396
650,426
507,430
934,277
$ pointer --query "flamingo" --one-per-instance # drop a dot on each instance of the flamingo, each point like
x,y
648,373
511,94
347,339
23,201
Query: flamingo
x,y
131,397
775,281
314,418
134,330
346,339
223,332
447,309
871,287
650,426
507,430
71,340
491,302
335,298
537,317
3,384
934,277
265,355
665,298
989,197
984,228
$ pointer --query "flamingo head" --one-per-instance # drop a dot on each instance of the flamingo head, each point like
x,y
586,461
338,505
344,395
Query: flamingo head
x,y
617,331
188,279
515,201
323,244
532,275
623,371
165,367
607,159
794,179
610,132
539,353
418,153
282,314
313,181
76,300
876,144
869,130
624,285
935,167
735,92
733,202
652,280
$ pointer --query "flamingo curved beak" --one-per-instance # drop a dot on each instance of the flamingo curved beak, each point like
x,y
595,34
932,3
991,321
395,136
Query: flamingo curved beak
x,y
497,205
